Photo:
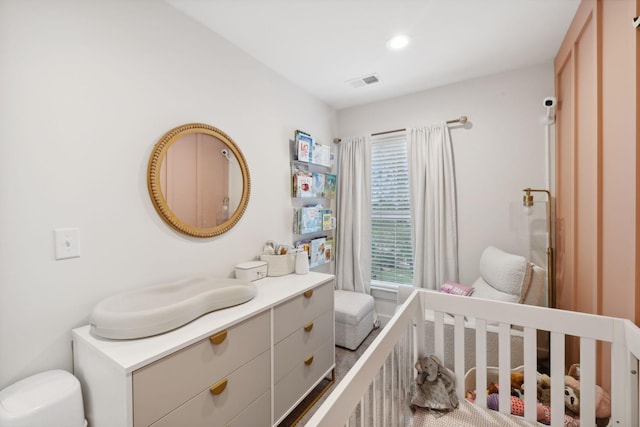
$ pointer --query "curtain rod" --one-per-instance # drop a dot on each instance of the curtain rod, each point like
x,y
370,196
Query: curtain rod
x,y
461,119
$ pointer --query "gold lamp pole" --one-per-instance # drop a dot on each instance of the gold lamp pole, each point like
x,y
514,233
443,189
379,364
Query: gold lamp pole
x,y
527,201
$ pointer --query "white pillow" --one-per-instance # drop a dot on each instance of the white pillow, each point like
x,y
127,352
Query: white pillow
x,y
505,272
482,289
537,292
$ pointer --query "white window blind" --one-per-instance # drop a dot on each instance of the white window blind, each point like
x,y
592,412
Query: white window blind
x,y
391,248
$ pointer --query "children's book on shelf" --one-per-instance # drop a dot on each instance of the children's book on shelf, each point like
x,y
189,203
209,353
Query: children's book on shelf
x,y
326,219
328,249
318,184
321,154
317,251
304,144
302,180
304,186
329,185
307,219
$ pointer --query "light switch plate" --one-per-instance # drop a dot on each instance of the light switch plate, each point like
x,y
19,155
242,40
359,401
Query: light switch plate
x,y
67,242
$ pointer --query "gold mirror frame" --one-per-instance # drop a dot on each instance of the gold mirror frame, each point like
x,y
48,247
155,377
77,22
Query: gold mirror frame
x,y
155,191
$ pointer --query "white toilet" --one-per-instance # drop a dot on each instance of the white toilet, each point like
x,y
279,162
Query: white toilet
x,y
48,399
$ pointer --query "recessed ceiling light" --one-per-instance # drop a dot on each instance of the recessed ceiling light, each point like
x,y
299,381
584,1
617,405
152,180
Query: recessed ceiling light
x,y
398,42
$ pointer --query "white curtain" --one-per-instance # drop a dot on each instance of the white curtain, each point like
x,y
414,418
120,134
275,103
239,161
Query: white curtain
x,y
433,206
353,255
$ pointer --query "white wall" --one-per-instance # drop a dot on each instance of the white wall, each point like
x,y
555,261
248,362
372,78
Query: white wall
x,y
87,88
499,154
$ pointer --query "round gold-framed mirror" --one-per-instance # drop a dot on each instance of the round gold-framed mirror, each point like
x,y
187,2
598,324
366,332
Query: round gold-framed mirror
x,y
198,180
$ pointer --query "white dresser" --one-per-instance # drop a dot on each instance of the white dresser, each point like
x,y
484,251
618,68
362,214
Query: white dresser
x,y
248,365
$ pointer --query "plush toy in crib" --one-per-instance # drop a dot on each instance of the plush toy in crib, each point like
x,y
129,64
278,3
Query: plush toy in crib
x,y
543,409
572,397
435,389
517,379
544,389
544,403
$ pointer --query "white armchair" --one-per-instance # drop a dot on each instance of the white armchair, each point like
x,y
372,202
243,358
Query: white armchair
x,y
504,277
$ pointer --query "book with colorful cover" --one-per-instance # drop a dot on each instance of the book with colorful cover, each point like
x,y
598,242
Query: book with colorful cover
x,y
329,185
318,184
328,250
310,219
317,251
304,144
303,185
297,169
326,219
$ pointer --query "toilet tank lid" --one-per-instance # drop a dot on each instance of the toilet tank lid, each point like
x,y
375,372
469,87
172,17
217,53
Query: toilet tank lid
x,y
36,391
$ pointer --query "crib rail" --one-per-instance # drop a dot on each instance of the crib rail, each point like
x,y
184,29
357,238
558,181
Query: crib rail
x,y
378,389
621,335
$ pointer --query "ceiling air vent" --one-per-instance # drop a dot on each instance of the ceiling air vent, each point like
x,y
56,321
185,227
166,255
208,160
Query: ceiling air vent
x,y
364,81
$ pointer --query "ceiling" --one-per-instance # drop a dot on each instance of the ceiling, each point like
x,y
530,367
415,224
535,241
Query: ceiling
x,y
319,45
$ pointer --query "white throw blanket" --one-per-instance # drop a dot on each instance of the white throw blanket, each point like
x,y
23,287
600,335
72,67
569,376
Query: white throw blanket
x,y
468,415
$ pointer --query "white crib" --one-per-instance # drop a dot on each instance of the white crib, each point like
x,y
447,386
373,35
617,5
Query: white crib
x,y
378,389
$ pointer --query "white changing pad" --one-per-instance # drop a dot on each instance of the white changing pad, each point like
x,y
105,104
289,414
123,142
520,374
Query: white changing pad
x,y
469,415
161,308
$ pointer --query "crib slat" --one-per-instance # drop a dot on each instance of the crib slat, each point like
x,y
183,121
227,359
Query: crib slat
x,y
504,361
385,398
557,378
404,383
394,389
633,412
624,375
376,399
438,335
459,367
530,361
481,362
587,379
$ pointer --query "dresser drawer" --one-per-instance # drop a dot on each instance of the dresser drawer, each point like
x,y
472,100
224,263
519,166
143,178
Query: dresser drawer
x,y
166,384
301,309
207,409
258,414
302,343
296,384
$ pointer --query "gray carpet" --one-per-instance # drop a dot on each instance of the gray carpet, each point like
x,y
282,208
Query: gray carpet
x,y
344,361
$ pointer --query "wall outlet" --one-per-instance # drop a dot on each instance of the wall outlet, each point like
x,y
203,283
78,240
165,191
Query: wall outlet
x,y
67,242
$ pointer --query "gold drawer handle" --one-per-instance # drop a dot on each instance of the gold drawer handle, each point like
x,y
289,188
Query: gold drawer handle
x,y
218,338
308,327
218,387
308,361
308,293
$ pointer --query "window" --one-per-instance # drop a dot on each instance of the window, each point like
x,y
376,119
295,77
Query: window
x,y
391,248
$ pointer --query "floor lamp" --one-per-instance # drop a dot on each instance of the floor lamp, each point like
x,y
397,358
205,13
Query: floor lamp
x,y
527,201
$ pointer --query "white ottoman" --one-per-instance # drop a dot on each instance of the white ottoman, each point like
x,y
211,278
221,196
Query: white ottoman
x,y
354,317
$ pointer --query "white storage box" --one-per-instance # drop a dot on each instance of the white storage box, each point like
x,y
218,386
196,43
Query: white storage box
x,y
279,265
251,270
